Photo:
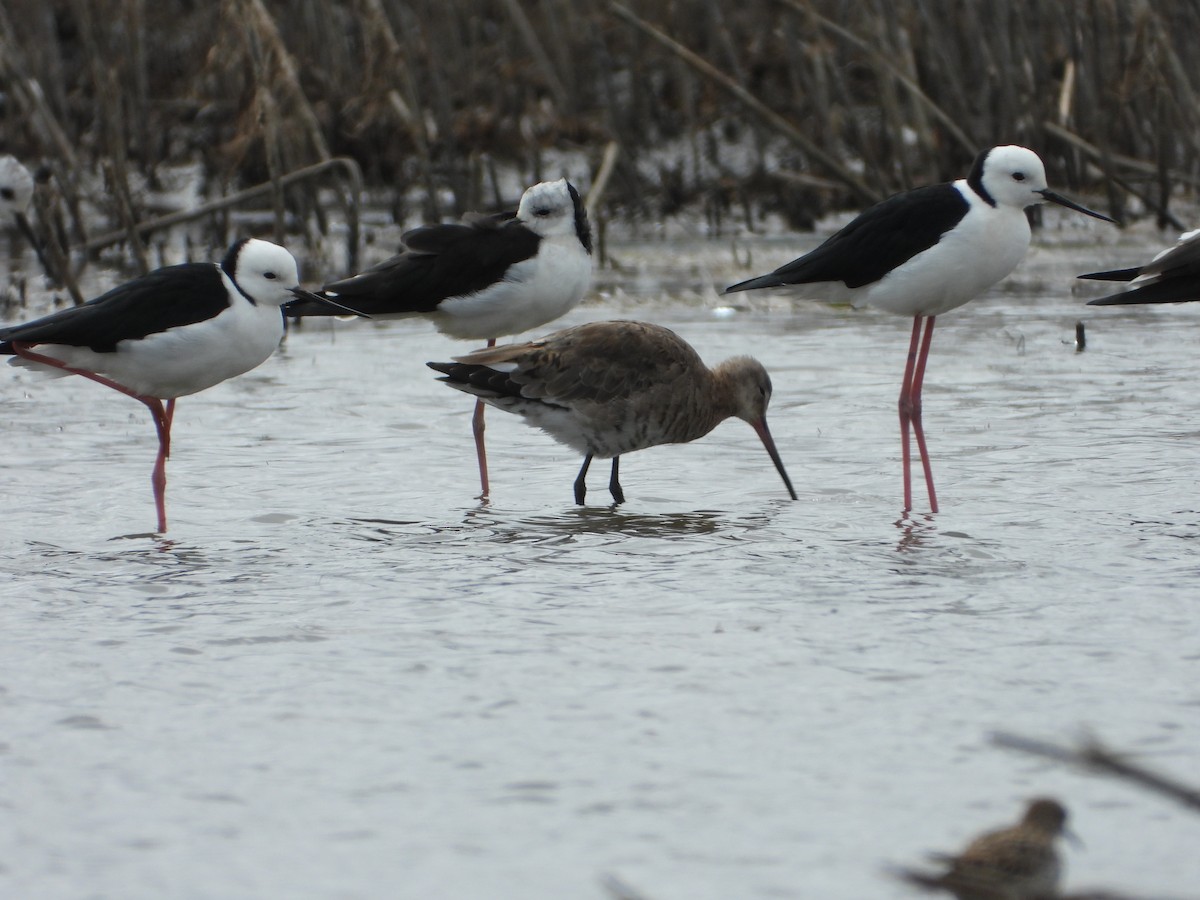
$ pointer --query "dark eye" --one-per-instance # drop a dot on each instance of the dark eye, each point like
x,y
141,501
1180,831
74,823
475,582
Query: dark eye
x,y
543,211
270,275
1018,176
7,193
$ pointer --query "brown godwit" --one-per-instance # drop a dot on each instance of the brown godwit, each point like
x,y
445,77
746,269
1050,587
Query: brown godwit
x,y
925,252
482,278
609,388
173,332
1016,863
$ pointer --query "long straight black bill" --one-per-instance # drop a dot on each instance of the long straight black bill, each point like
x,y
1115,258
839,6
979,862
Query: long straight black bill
x,y
1070,204
309,296
760,427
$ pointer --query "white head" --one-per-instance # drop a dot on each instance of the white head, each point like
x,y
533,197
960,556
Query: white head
x,y
553,209
1015,177
264,272
16,188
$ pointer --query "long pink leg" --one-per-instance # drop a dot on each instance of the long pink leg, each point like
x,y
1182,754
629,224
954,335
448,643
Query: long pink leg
x,y
906,409
162,422
918,382
477,427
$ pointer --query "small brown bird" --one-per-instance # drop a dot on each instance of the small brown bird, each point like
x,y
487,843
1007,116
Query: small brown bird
x,y
609,388
1016,863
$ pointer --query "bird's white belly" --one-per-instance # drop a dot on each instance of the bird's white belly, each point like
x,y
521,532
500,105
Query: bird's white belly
x,y
183,361
966,262
533,293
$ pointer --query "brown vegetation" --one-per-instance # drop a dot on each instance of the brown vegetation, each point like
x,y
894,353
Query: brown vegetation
x,y
799,105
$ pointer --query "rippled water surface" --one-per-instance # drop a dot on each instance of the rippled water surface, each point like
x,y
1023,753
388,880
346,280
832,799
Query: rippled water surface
x,y
340,675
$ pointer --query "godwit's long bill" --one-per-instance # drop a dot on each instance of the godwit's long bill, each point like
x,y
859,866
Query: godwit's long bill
x,y
173,332
482,278
1173,276
609,388
925,252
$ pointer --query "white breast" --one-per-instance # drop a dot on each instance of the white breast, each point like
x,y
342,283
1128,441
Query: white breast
x,y
988,243
533,292
185,360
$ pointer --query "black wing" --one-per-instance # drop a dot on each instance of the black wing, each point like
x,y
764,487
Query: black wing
x,y
881,239
438,262
1173,277
165,298
1174,290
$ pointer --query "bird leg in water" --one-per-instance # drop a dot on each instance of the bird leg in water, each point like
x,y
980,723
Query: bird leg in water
x,y
477,427
614,482
581,480
162,421
910,410
158,478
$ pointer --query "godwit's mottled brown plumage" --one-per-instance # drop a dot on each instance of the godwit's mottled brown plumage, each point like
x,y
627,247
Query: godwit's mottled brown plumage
x,y
1016,863
609,388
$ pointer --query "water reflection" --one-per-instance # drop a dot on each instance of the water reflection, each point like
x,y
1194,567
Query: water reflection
x,y
914,533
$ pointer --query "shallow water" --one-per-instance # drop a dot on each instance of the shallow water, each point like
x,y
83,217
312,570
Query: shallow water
x,y
342,676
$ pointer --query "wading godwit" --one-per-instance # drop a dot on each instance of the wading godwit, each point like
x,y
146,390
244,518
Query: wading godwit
x,y
609,388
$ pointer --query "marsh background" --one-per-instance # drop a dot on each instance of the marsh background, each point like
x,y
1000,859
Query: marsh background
x,y
342,676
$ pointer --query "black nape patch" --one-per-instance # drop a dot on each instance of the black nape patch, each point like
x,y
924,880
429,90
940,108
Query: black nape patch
x,y
583,228
975,179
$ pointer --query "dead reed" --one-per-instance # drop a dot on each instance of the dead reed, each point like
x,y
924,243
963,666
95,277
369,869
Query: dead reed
x,y
801,106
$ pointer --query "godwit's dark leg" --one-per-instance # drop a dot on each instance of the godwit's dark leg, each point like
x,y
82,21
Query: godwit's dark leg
x,y
614,482
915,398
906,409
581,480
477,426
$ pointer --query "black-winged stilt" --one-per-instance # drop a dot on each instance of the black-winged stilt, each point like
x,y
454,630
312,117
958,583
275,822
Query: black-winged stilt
x,y
481,278
609,388
924,252
170,333
1173,276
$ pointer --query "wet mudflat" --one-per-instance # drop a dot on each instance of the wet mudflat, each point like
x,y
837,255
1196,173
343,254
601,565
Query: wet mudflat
x,y
340,675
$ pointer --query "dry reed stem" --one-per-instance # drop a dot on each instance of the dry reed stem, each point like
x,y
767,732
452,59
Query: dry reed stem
x,y
777,122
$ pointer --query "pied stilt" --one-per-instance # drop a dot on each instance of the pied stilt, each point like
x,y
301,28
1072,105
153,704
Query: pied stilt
x,y
481,278
170,333
924,252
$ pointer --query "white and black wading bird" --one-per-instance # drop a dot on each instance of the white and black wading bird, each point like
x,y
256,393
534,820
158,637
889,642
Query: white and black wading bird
x,y
173,332
482,278
925,252
1173,276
